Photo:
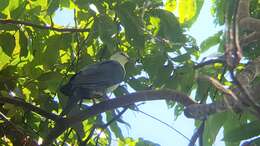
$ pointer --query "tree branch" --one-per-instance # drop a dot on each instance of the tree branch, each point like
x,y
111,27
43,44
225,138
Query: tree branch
x,y
250,23
17,22
252,37
130,99
30,107
111,104
209,62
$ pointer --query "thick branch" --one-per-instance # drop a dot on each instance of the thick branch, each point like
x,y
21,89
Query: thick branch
x,y
252,37
17,22
116,103
30,107
130,99
250,23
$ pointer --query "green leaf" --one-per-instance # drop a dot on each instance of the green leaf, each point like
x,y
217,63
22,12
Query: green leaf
x,y
169,25
138,84
153,62
114,126
3,4
65,3
170,5
132,24
51,53
19,11
43,128
163,75
53,5
50,80
13,4
105,27
182,79
186,10
7,42
212,127
244,131
197,6
202,90
82,4
210,41
23,41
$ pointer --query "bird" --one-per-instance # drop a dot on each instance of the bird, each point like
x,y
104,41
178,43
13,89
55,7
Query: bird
x,y
95,80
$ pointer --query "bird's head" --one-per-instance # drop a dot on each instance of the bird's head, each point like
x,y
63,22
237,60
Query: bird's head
x,y
120,57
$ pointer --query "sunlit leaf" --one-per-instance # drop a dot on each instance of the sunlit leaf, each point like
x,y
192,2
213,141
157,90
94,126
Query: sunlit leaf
x,y
169,26
17,12
4,59
170,5
143,142
186,10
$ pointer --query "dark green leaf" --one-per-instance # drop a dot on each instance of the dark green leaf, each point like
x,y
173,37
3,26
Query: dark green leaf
x,y
182,79
3,4
178,110
169,25
65,3
82,4
132,24
138,84
19,11
43,128
153,62
50,80
53,5
51,54
7,42
23,41
106,28
163,75
114,126
202,90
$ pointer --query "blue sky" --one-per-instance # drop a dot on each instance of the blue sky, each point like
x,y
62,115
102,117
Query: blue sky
x,y
145,127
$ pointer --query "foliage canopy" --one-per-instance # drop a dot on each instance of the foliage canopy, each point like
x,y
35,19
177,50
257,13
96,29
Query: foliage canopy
x,y
37,56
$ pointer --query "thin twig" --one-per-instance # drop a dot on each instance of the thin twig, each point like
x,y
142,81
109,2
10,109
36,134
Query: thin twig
x,y
17,22
209,62
30,107
168,125
197,134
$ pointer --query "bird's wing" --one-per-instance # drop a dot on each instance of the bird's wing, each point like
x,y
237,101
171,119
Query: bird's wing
x,y
101,75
